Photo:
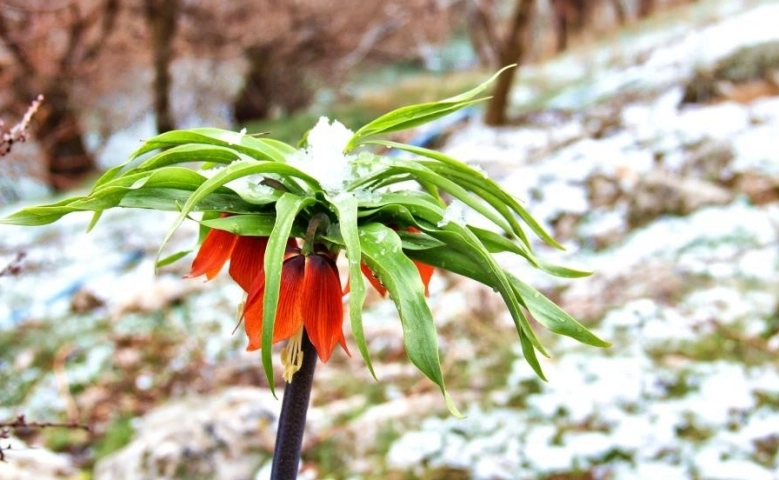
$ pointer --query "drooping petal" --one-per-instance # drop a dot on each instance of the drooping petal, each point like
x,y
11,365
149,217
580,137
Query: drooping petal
x,y
425,273
214,252
289,317
371,278
247,259
322,306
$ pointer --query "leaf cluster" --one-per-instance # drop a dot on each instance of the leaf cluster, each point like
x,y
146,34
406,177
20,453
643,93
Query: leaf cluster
x,y
376,219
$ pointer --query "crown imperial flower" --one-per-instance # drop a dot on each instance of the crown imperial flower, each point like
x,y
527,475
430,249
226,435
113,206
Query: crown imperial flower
x,y
256,197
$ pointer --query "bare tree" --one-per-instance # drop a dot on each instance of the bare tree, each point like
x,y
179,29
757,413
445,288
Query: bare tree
x,y
291,49
162,19
512,48
53,45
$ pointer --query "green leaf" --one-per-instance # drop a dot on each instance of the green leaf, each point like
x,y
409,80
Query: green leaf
x,y
381,249
43,215
481,88
346,210
172,258
141,190
553,317
287,208
231,172
405,118
460,263
420,173
257,148
461,239
203,144
476,181
415,115
257,225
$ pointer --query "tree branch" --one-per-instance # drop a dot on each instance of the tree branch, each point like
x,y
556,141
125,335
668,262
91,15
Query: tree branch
x,y
18,133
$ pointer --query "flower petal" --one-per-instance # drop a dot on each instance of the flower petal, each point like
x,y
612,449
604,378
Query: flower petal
x,y
247,259
322,305
373,279
426,273
289,316
214,252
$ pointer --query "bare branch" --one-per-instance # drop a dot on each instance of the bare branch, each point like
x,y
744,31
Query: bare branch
x,y
21,423
370,39
18,133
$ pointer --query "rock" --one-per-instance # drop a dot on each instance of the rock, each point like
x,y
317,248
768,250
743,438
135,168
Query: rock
x,y
225,436
658,193
33,463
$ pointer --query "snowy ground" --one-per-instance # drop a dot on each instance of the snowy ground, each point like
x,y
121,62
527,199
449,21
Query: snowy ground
x,y
674,209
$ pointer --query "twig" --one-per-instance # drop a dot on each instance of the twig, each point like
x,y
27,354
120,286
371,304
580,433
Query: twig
x,y
21,423
15,266
18,133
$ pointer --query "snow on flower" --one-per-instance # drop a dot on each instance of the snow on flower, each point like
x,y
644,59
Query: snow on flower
x,y
323,158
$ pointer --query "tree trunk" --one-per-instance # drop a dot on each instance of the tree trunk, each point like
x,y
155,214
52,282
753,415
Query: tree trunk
x,y
619,9
62,140
645,8
512,50
161,16
561,24
273,80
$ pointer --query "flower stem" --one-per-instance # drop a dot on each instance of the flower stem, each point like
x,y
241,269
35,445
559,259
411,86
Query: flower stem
x,y
292,421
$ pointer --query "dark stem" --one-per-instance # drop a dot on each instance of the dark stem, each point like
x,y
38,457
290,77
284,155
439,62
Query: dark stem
x,y
292,421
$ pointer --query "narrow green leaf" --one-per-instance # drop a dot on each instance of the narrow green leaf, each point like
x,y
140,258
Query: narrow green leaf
x,y
257,225
479,89
474,180
421,173
231,172
381,249
287,208
415,115
408,117
172,258
553,317
257,148
346,209
458,258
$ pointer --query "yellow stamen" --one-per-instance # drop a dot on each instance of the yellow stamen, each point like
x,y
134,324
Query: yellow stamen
x,y
292,355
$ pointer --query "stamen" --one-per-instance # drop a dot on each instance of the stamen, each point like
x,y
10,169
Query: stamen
x,y
239,315
292,355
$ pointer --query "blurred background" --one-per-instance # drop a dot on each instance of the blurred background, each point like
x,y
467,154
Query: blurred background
x,y
642,133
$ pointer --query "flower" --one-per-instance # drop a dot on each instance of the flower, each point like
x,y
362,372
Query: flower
x,y
309,296
246,255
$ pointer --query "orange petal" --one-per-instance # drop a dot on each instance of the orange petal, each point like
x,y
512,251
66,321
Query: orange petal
x,y
426,273
289,316
213,253
247,260
373,279
321,302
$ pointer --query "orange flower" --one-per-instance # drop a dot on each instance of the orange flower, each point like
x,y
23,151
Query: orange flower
x,y
310,297
246,255
310,293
